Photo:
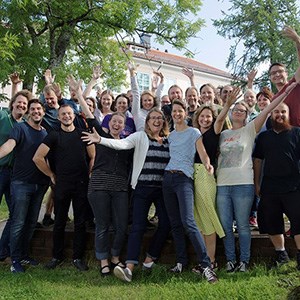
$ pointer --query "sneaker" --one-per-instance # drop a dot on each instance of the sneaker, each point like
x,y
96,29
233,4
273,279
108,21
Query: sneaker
x,y
29,261
176,269
16,267
209,275
230,266
214,265
80,264
47,221
242,267
281,258
53,263
123,274
197,270
148,267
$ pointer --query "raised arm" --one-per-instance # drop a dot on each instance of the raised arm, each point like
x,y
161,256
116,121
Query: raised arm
x,y
7,147
190,74
292,34
250,78
134,89
95,77
76,86
15,80
160,87
261,118
39,159
219,123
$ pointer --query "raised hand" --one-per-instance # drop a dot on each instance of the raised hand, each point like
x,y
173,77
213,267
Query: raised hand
x,y
91,138
74,85
49,79
96,72
15,78
233,96
188,72
290,33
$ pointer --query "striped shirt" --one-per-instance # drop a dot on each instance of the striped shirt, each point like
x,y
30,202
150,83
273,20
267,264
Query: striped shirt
x,y
156,160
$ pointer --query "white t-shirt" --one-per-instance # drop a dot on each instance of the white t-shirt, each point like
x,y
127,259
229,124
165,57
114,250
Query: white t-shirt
x,y
235,159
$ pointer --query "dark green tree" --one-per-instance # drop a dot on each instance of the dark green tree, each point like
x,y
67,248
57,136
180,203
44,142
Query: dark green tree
x,y
255,26
70,36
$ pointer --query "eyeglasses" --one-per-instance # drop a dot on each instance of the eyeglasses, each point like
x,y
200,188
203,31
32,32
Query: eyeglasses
x,y
280,71
156,118
239,110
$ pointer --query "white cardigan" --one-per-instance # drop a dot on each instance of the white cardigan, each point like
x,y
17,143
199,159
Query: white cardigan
x,y
140,142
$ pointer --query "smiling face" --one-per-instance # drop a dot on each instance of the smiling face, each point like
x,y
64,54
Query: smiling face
x,y
51,99
121,104
155,122
239,113
66,115
116,125
250,98
205,119
106,101
175,93
207,95
278,75
19,107
192,98
178,114
226,91
147,101
90,104
36,112
262,102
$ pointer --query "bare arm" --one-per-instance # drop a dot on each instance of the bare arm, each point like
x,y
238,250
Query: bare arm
x,y
190,74
7,147
93,81
251,77
76,86
39,159
292,34
15,80
219,123
204,157
261,118
257,165
91,150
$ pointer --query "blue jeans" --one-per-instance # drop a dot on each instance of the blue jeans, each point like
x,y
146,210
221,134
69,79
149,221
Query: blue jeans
x,y
109,206
236,200
27,199
143,197
178,192
5,179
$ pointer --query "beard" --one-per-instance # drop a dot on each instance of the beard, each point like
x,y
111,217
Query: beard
x,y
280,126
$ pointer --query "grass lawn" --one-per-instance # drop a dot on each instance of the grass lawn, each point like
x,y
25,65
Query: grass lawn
x,y
67,283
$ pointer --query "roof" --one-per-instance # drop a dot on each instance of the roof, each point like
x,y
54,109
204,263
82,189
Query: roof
x,y
179,61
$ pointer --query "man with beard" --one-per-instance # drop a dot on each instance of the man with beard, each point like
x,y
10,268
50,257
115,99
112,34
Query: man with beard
x,y
278,76
279,192
70,180
28,184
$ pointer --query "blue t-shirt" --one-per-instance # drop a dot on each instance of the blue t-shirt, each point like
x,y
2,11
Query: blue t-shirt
x,y
182,150
27,140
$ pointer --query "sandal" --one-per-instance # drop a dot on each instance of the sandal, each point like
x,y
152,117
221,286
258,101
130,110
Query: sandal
x,y
119,264
102,270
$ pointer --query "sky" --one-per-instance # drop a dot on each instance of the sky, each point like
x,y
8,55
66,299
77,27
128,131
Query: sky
x,y
210,48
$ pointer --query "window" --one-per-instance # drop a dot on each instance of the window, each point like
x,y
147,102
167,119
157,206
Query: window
x,y
143,81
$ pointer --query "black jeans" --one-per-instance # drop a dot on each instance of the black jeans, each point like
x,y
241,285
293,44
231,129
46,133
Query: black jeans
x,y
64,193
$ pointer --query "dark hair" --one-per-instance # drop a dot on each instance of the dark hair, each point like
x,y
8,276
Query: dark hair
x,y
197,113
119,96
35,100
93,100
266,92
65,105
180,103
25,93
191,88
276,64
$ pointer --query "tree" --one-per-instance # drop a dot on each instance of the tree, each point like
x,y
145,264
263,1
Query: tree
x,y
256,26
70,36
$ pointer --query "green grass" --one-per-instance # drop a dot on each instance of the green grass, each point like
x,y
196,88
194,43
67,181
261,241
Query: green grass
x,y
67,283
3,210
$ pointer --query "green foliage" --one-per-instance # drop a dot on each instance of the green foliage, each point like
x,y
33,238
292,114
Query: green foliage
x,y
255,26
73,35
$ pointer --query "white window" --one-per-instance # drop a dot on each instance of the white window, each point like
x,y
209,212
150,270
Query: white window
x,y
143,81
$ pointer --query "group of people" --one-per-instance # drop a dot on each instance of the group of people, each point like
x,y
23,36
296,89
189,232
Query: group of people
x,y
197,158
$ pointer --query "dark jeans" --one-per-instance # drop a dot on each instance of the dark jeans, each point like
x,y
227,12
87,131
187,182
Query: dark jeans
x,y
178,192
143,197
26,203
107,206
64,193
5,179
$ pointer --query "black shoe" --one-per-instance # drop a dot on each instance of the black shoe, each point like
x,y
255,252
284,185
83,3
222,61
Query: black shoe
x,y
53,263
178,268
38,225
281,258
47,221
80,264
